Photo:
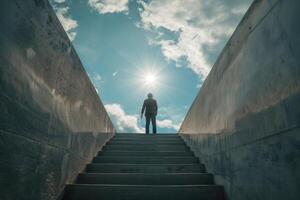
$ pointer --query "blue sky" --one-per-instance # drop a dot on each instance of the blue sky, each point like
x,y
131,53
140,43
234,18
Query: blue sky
x,y
132,47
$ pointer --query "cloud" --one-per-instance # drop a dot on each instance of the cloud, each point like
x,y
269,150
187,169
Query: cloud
x,y
130,123
97,81
167,123
123,121
109,6
172,117
67,22
59,1
62,12
97,77
197,26
172,112
115,73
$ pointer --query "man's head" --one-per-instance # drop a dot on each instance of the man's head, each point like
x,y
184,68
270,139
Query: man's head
x,y
150,95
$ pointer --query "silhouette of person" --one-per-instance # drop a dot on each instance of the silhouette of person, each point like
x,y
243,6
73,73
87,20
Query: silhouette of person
x,y
150,106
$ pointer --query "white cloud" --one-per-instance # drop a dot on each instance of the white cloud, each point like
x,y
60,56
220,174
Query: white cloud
x,y
167,123
200,26
97,77
115,73
67,22
59,1
62,13
130,123
123,121
174,113
109,6
97,81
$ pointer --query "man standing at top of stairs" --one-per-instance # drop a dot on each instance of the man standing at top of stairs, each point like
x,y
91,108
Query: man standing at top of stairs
x,y
150,105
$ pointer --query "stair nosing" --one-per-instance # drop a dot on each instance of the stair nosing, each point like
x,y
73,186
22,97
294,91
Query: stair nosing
x,y
158,186
140,173
160,157
118,151
185,164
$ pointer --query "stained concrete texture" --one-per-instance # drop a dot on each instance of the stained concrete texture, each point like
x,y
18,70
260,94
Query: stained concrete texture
x,y
244,123
52,121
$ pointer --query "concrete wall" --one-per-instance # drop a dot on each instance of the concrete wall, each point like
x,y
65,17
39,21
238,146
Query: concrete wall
x,y
245,122
52,121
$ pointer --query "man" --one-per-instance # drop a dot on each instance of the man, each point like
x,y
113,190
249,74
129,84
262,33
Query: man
x,y
151,111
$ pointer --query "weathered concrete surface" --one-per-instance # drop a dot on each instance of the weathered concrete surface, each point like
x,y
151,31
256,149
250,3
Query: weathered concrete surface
x,y
52,122
244,123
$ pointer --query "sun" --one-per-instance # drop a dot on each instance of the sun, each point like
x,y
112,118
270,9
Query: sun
x,y
150,79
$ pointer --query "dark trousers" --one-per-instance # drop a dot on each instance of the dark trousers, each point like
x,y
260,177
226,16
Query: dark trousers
x,y
153,121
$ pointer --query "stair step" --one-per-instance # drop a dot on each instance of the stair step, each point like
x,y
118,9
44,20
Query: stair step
x,y
144,168
147,147
147,142
146,179
145,192
176,139
145,153
145,135
146,160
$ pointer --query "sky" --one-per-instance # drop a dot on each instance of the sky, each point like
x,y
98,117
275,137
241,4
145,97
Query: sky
x,y
132,47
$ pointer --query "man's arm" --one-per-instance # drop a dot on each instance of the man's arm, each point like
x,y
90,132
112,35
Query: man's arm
x,y
143,109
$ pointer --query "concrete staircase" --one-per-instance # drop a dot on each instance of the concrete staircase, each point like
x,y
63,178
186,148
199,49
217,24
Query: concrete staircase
x,y
144,167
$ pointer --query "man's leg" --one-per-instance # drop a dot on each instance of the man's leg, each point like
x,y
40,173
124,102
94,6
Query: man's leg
x,y
153,120
147,124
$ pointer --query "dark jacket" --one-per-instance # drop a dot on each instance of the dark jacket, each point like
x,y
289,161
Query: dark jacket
x,y
151,107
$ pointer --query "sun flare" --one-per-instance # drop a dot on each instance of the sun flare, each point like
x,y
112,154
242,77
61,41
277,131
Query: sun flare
x,y
150,79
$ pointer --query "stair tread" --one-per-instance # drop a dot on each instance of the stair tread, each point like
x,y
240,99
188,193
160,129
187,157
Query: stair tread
x,y
141,159
120,151
125,139
141,186
145,164
146,135
145,192
145,178
145,158
147,174
146,143
146,148
144,168
145,153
